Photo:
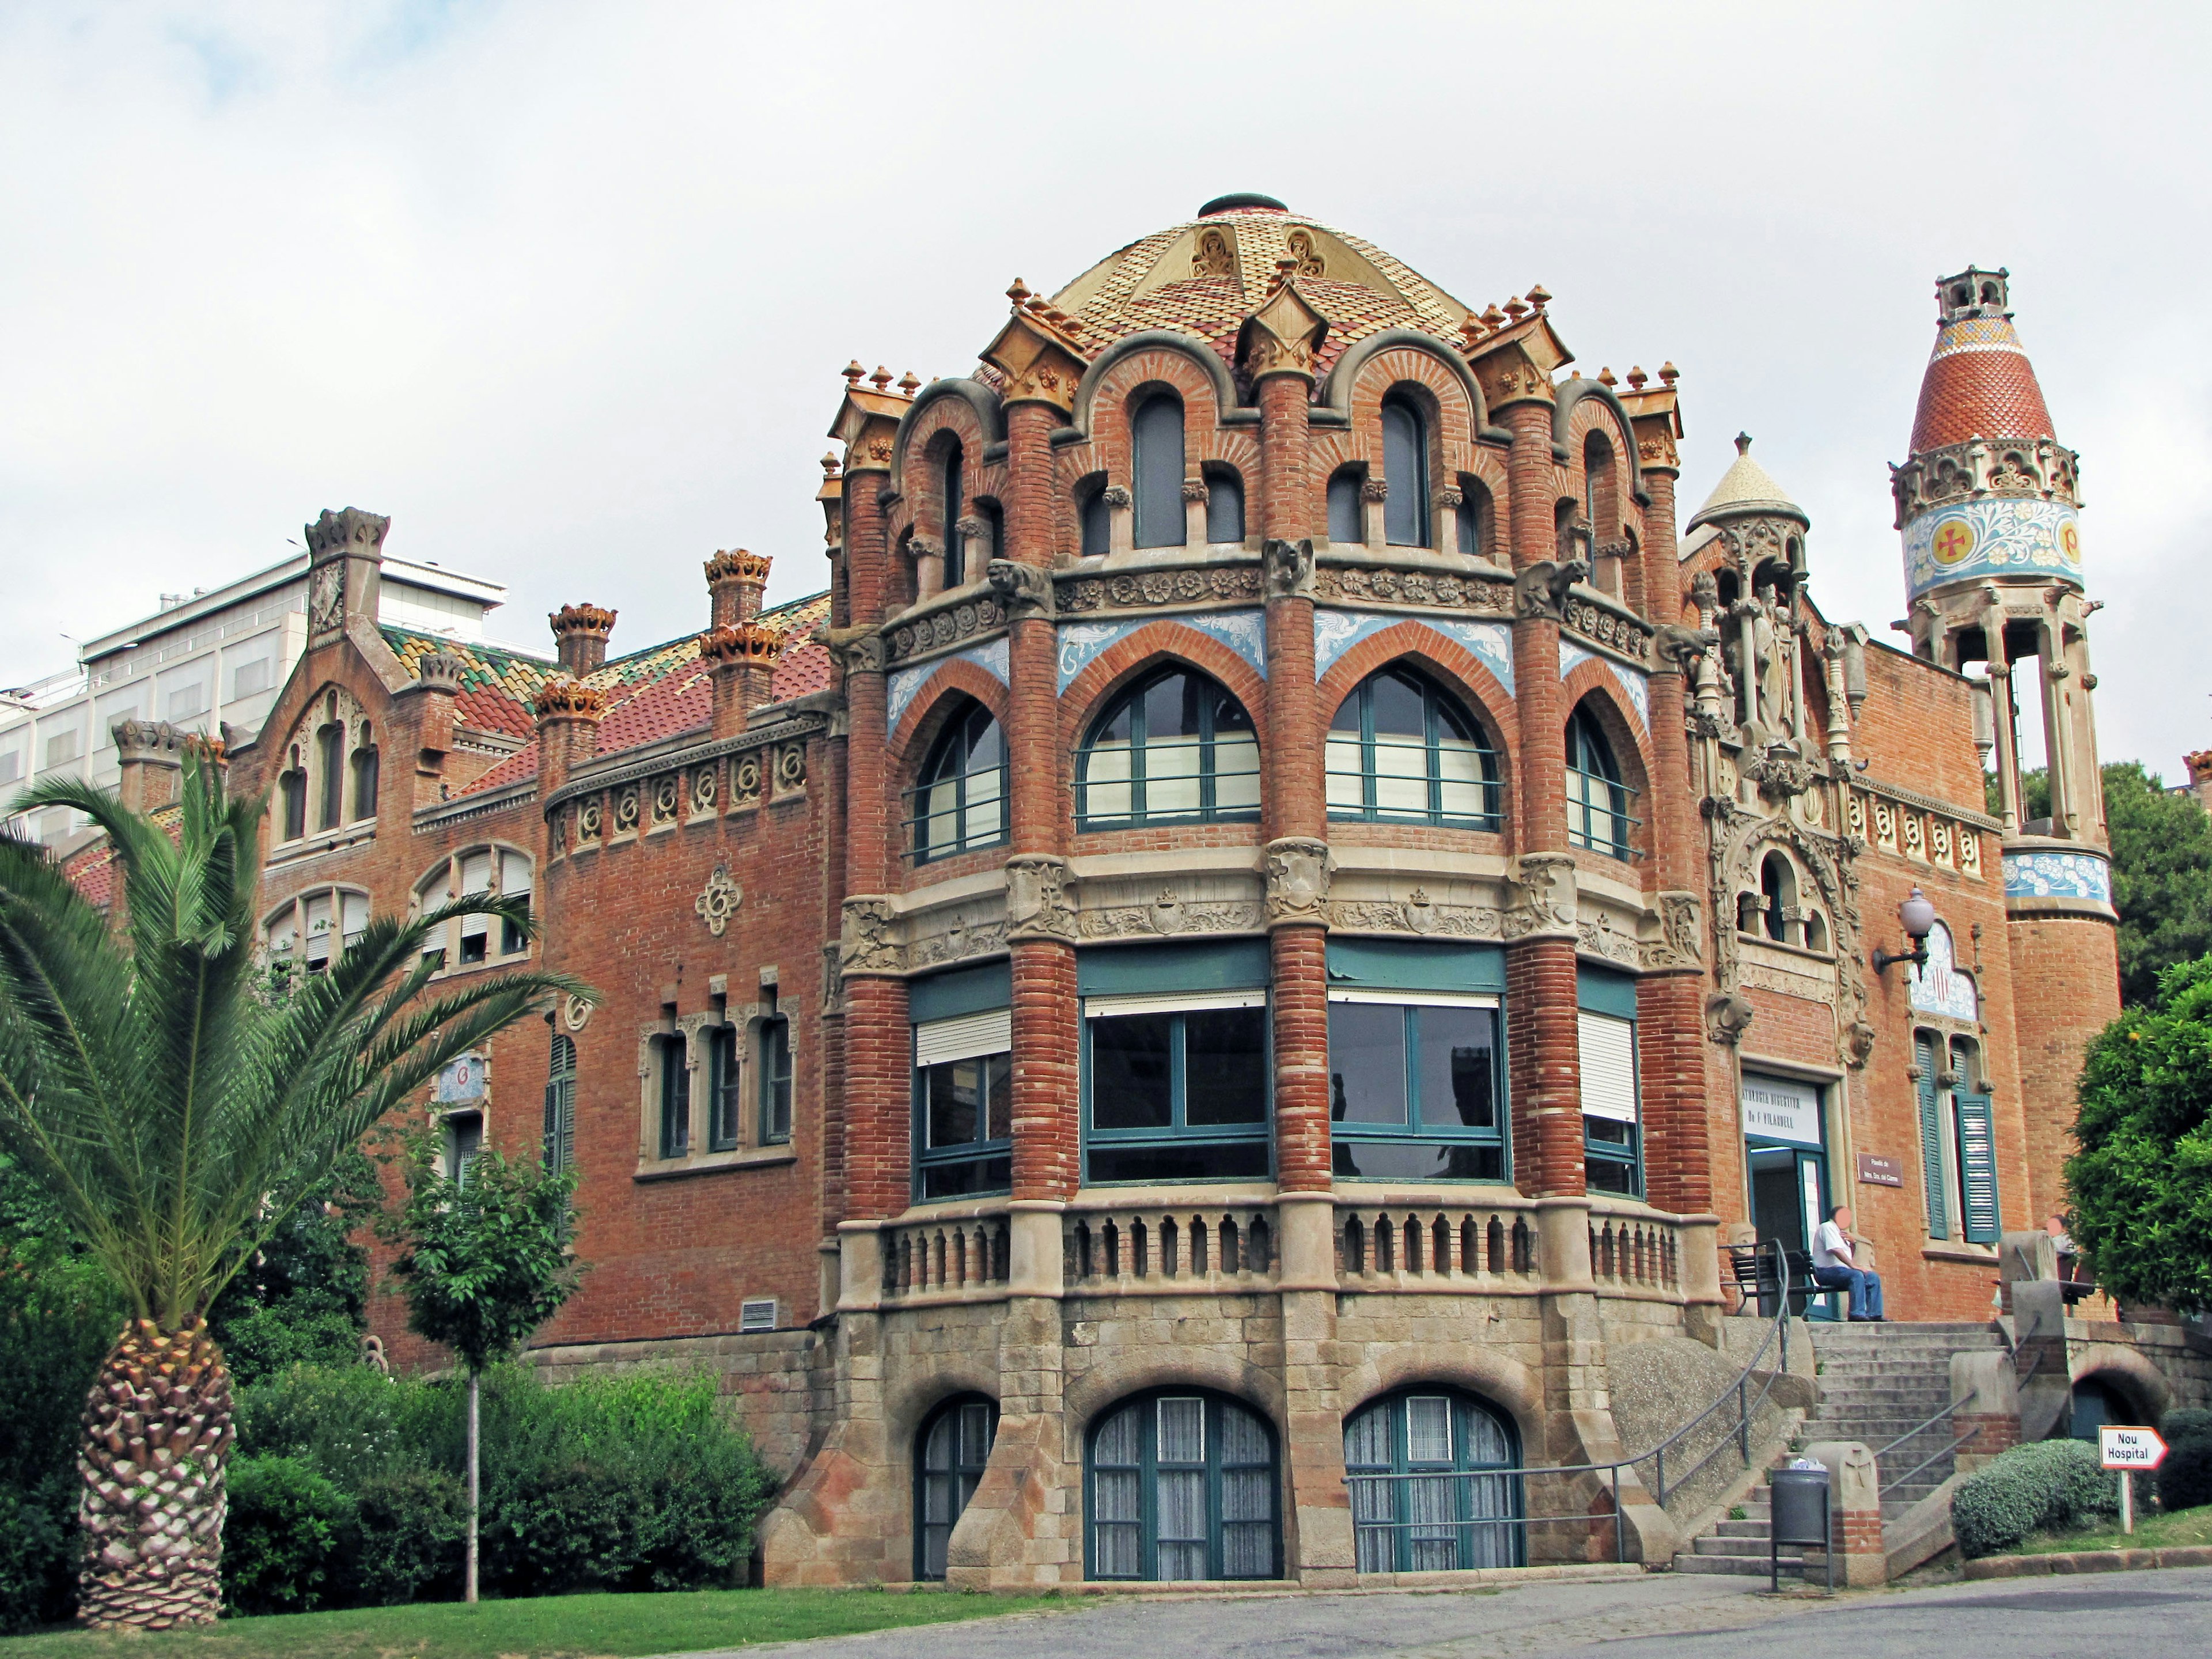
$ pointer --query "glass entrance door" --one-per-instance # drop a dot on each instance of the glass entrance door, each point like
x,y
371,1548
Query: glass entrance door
x,y
1788,1199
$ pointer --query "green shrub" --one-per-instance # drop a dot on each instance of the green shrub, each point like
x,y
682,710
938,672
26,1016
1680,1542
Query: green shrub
x,y
2052,1484
288,1543
351,1422
412,1528
38,1553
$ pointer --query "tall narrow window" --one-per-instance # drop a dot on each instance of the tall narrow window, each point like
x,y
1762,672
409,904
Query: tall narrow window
x,y
723,1085
675,1096
320,929
954,1447
1347,525
1976,1147
1183,1487
1176,1087
330,775
1097,523
1224,507
961,801
513,883
1934,1178
1173,748
476,883
1613,1155
776,1080
1400,748
1443,1524
293,786
560,1103
1597,799
364,774
956,506
964,1070
1469,517
464,1140
1155,437
1405,471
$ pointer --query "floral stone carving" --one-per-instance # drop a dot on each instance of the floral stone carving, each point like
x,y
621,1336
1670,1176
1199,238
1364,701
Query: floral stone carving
x,y
1040,903
1297,881
868,941
718,900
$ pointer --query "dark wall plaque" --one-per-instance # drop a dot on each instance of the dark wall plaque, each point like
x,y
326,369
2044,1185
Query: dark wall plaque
x,y
1875,1170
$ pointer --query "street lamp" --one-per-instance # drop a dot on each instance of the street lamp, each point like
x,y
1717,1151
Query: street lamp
x,y
1917,917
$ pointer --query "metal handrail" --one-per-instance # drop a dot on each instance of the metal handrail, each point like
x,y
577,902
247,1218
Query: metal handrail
x,y
2012,1351
1746,1405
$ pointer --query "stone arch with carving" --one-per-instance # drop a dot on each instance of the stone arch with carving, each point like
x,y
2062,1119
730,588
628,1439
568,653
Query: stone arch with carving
x,y
1739,841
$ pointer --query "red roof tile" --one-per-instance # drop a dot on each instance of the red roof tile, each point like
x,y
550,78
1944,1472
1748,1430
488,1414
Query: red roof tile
x,y
1979,383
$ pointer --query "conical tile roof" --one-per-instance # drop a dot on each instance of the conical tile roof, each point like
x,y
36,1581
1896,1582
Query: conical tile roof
x,y
1978,384
1746,486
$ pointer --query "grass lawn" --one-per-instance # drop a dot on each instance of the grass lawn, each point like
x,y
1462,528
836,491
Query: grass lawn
x,y
2152,1531
547,1627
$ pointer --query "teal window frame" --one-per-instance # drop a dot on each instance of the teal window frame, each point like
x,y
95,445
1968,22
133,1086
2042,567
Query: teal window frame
x,y
560,1148
1419,1129
1179,1134
949,996
1974,1125
776,1080
950,762
1134,701
1147,1469
723,1089
1451,1504
1404,473
955,1480
1935,1181
1598,818
1439,710
1613,996
669,1049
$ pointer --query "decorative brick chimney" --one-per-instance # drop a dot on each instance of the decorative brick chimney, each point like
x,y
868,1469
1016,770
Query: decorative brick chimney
x,y
345,562
742,657
735,581
579,637
569,714
153,756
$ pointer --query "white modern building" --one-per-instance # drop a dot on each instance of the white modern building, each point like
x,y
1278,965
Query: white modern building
x,y
204,662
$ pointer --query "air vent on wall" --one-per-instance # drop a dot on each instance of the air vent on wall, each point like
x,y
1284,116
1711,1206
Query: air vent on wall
x,y
757,1315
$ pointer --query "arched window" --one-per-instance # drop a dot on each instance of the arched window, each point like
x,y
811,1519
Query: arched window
x,y
1777,891
312,929
1458,1519
1405,471
1597,799
1347,522
1471,518
1224,507
477,870
1183,1487
560,1103
1401,749
364,774
293,786
950,1456
961,801
330,773
1174,748
1156,439
955,506
1098,523
1597,483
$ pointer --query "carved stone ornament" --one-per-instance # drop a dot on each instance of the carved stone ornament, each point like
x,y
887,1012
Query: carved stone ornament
x,y
1543,896
574,1011
1858,1043
326,598
790,769
1542,589
1138,589
1727,1016
1290,568
1418,913
1781,774
745,779
1360,584
1116,495
1680,943
1040,900
1167,916
1297,881
702,791
1024,590
867,939
1682,649
718,900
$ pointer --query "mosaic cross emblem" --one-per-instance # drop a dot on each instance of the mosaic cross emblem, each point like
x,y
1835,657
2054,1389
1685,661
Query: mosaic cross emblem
x,y
1953,542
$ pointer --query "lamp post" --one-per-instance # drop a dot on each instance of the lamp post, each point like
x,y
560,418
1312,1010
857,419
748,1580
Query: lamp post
x,y
1917,917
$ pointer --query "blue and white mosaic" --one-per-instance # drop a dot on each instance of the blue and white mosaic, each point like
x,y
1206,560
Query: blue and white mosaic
x,y
2058,875
903,685
1634,685
1940,987
1974,539
1336,632
1244,632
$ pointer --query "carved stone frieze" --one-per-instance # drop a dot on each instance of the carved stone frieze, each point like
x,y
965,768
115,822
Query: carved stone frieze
x,y
1597,936
1297,880
718,900
1290,568
1168,915
945,627
867,938
1136,590
1040,897
1417,914
1681,942
791,768
963,936
1625,634
1357,584
745,780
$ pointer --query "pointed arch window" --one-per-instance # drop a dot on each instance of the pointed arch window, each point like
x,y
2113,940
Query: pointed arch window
x,y
1406,472
1156,443
961,801
1414,1508
1597,799
329,774
1402,749
955,508
365,763
1175,748
293,788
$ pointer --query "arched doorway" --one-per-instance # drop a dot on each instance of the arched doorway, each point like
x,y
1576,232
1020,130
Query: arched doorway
x,y
1404,1522
950,1456
1180,1484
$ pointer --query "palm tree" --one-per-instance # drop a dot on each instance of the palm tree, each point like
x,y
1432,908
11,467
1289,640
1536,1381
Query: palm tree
x,y
181,1103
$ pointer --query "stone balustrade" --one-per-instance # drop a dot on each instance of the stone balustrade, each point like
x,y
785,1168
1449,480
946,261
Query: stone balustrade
x,y
958,1258
1633,1247
1485,1245
1195,1247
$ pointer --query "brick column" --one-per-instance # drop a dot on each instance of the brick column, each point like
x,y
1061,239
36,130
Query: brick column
x,y
1543,1046
1040,915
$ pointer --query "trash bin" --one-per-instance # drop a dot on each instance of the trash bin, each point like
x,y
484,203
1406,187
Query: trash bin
x,y
1799,1498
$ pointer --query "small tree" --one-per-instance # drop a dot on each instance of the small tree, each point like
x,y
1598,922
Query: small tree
x,y
484,1258
2142,1184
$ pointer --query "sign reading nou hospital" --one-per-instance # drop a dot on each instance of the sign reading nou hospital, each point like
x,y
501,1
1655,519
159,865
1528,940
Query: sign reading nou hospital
x,y
1780,1108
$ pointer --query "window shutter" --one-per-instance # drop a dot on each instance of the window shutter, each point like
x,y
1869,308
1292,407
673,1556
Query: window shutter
x,y
513,874
1978,1168
1931,1143
476,877
991,1032
1608,1062
353,909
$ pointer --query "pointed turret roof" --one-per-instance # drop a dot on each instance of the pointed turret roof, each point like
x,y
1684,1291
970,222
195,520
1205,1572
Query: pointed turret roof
x,y
1980,382
1746,486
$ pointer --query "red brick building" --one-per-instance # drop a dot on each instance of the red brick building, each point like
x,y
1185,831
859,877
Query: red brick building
x,y
1278,911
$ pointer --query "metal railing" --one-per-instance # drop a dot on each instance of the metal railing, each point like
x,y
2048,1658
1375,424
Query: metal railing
x,y
1738,1392
1593,801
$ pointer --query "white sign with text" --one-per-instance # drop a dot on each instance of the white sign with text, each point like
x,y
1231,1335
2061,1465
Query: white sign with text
x,y
1777,1109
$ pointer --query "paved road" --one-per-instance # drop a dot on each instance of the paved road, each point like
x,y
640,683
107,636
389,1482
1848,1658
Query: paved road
x,y
2141,1615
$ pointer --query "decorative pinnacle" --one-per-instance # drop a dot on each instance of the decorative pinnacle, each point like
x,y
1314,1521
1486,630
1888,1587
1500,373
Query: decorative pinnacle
x,y
831,465
909,382
1540,296
570,699
1743,443
741,643
1516,310
852,372
1668,373
1605,379
738,564
582,619
1018,292
881,378
1491,316
1636,378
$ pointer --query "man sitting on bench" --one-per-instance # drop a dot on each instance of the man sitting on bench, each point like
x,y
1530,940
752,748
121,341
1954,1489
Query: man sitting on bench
x,y
1834,1269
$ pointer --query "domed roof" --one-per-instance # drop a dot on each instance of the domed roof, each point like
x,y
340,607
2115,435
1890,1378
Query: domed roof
x,y
1746,486
1205,275
1978,382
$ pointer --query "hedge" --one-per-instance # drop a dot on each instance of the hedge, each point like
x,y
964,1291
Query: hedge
x,y
2184,1479
2051,1485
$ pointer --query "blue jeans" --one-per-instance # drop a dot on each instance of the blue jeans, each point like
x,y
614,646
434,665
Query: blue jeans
x,y
1865,1289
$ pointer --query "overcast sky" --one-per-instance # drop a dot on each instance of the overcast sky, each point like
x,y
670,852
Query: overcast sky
x,y
564,289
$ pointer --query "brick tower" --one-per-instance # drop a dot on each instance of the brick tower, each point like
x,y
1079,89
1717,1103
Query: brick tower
x,y
1987,504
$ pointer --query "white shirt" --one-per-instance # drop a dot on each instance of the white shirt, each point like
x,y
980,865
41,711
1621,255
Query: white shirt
x,y
1830,1248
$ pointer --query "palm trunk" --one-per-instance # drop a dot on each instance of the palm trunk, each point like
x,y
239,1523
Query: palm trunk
x,y
474,1448
157,1440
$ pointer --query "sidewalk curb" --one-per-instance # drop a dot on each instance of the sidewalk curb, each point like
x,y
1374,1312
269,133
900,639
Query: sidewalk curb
x,y
2071,1561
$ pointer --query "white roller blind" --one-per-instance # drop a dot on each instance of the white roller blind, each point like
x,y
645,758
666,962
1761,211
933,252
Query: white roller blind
x,y
514,873
991,1032
1170,1002
1608,1056
476,877
1418,999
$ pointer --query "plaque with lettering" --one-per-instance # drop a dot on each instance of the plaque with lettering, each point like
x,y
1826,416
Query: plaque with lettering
x,y
1875,1170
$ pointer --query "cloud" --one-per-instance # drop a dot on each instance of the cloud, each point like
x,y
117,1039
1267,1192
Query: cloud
x,y
564,289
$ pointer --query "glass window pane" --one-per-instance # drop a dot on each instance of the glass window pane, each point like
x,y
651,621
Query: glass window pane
x,y
1224,508
986,808
1157,443
1367,1442
1097,533
1171,707
1130,1079
1225,1065
980,1175
1235,773
1459,764
1345,518
1234,1160
1428,1429
1106,778
1401,777
998,1096
1399,707
1405,470
1341,760
1244,1438
1418,1160
1171,768
1458,1075
1121,1444
1367,1063
1182,1430
955,1102
975,1436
